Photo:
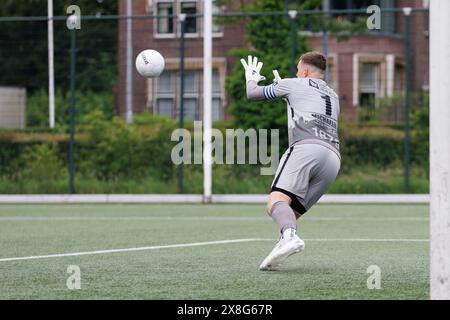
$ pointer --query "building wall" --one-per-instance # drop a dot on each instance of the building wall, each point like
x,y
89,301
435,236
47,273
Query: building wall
x,y
140,29
342,53
345,51
421,50
143,38
419,41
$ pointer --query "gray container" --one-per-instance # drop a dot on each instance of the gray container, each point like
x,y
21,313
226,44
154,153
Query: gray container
x,y
12,107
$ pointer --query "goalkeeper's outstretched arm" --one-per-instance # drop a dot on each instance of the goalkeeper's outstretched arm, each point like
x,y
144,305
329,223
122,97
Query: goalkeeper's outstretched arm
x,y
252,77
255,92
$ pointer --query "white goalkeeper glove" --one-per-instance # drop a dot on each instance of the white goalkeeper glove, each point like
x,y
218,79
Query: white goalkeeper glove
x,y
276,76
276,79
252,69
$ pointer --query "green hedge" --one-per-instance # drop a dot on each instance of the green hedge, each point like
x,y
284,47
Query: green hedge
x,y
113,156
104,149
86,102
108,149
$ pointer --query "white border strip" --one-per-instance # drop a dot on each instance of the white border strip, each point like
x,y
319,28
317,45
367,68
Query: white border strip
x,y
100,198
204,218
335,198
377,198
194,198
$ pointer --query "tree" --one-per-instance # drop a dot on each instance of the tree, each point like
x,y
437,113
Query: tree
x,y
269,38
23,46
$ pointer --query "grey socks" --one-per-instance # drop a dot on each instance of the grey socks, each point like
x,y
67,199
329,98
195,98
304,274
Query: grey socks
x,y
283,216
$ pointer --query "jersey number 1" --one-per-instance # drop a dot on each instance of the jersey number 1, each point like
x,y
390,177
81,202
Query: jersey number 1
x,y
327,104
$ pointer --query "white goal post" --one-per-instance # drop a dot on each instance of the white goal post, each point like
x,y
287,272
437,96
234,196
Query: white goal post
x,y
207,100
439,149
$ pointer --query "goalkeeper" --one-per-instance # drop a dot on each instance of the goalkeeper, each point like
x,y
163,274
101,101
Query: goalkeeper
x,y
312,161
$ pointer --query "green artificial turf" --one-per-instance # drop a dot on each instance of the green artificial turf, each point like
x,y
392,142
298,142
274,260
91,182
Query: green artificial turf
x,y
327,269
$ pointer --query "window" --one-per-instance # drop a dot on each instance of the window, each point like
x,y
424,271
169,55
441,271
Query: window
x,y
368,78
191,92
217,28
165,94
376,76
165,83
164,25
217,109
216,86
426,19
190,108
368,85
166,97
189,8
350,5
164,107
354,4
399,79
388,19
190,82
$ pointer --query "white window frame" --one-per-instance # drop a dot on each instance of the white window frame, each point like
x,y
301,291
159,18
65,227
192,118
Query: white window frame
x,y
191,64
215,34
390,74
218,34
358,60
197,10
156,34
152,6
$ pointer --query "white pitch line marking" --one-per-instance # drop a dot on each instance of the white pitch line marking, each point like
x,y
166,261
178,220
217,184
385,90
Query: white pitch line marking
x,y
218,218
370,240
86,253
196,244
56,218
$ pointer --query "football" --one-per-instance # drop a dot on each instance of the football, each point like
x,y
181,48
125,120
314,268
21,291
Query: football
x,y
150,63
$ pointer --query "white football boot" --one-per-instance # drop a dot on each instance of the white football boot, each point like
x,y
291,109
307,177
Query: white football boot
x,y
286,246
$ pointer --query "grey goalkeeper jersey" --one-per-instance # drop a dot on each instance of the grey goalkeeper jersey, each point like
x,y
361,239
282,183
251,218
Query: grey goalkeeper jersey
x,y
312,106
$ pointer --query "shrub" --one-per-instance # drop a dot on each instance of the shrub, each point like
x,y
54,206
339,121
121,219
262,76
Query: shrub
x,y
112,156
41,163
37,107
378,146
115,150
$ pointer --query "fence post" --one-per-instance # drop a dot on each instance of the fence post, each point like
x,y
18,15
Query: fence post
x,y
73,56
293,19
182,19
129,67
325,36
51,66
407,100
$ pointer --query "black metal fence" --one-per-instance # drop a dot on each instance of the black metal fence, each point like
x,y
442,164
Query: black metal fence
x,y
377,64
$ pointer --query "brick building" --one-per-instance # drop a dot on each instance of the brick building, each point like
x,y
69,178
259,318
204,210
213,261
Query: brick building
x,y
361,68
